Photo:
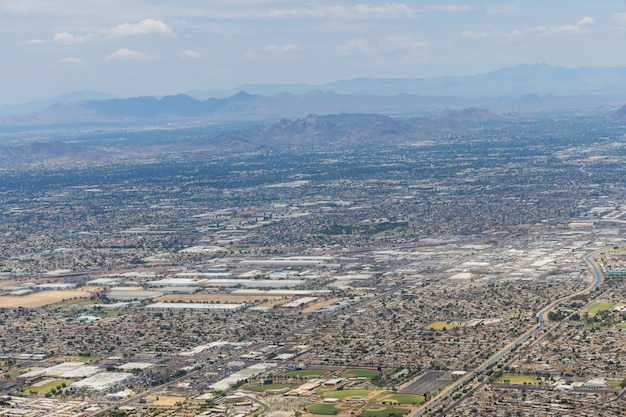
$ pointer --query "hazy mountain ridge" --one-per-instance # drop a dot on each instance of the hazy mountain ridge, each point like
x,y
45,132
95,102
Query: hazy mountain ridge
x,y
328,131
620,114
350,129
511,81
244,107
524,88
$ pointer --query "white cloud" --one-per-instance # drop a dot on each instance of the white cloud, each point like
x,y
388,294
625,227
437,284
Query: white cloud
x,y
471,34
586,21
621,16
145,27
66,38
124,54
359,11
403,42
272,51
502,8
355,46
567,29
71,60
280,49
388,44
448,8
191,54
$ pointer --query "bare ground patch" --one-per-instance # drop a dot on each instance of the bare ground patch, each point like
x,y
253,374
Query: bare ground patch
x,y
43,298
321,305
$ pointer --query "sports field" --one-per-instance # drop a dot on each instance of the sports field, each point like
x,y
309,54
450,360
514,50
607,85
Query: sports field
x,y
367,373
598,307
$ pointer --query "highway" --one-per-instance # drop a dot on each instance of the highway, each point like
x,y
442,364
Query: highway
x,y
445,393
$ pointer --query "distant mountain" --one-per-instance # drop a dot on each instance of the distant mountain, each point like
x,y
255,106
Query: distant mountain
x,y
39,105
245,107
520,80
620,114
331,131
352,129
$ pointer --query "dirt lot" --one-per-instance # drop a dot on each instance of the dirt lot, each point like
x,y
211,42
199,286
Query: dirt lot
x,y
323,304
165,400
43,298
214,298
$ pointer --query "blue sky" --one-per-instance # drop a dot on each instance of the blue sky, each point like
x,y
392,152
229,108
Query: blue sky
x,y
157,47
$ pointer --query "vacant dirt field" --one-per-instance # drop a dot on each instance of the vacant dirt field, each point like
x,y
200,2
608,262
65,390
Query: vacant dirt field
x,y
215,298
323,304
165,400
43,298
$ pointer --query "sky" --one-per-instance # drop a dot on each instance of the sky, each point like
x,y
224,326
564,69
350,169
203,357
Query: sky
x,y
158,47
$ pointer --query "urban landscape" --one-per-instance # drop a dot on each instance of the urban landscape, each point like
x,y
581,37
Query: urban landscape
x,y
478,271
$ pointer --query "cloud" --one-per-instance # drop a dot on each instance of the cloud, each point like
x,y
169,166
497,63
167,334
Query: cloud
x,y
124,54
388,44
145,27
124,30
66,38
281,49
586,21
355,46
567,29
191,54
272,51
359,11
403,42
71,60
471,34
447,8
502,8
621,16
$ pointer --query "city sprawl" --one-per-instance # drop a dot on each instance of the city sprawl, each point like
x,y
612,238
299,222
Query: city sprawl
x,y
471,273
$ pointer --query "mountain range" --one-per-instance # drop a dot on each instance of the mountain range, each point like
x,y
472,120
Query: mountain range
x,y
524,88
519,80
331,131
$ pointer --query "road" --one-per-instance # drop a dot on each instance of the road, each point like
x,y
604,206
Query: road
x,y
597,282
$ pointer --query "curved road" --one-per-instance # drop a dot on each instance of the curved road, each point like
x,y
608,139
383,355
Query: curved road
x,y
599,280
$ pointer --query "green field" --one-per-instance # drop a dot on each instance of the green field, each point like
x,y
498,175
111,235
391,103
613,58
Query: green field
x,y
385,412
441,325
517,379
267,387
598,307
367,373
46,388
325,409
406,399
306,373
347,393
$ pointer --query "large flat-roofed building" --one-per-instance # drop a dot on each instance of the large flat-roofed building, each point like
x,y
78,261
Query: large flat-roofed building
x,y
299,302
173,282
254,283
196,306
102,381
